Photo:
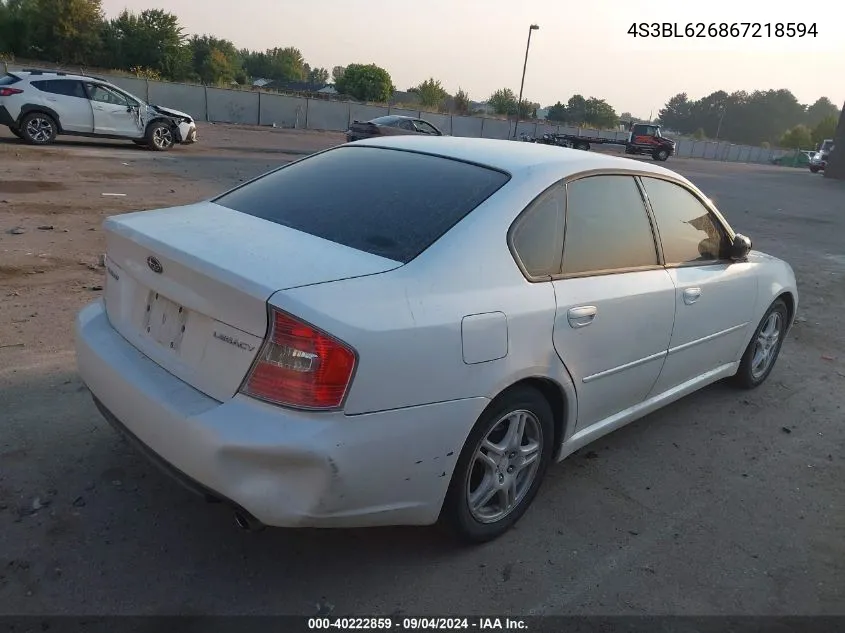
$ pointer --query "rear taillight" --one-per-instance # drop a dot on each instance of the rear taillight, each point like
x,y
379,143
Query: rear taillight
x,y
8,92
300,366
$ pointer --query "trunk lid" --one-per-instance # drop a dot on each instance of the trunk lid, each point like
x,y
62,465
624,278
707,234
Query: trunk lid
x,y
188,286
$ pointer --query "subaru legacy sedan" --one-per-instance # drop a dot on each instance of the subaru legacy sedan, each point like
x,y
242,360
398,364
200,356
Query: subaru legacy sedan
x,y
318,349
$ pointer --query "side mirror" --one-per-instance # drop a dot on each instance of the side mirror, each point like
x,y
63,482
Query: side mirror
x,y
740,247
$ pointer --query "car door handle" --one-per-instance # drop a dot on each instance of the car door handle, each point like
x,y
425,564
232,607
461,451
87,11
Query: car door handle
x,y
581,316
691,295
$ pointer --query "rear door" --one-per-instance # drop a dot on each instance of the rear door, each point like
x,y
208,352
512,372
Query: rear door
x,y
615,301
113,112
714,297
68,99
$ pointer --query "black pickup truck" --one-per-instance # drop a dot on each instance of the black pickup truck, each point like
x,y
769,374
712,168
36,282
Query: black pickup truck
x,y
642,139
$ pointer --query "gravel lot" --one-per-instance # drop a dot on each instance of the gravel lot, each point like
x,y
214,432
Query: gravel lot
x,y
724,503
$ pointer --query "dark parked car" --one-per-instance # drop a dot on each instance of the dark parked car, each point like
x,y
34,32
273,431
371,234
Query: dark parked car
x,y
390,125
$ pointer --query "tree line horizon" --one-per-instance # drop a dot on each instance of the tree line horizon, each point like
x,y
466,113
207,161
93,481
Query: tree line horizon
x,y
152,44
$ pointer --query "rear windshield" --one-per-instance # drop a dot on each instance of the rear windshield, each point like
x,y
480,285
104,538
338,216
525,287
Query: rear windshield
x,y
6,80
390,203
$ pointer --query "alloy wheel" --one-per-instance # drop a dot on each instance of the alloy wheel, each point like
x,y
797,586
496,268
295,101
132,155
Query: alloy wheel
x,y
504,466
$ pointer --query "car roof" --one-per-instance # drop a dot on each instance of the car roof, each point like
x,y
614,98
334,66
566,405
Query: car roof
x,y
393,117
514,156
53,74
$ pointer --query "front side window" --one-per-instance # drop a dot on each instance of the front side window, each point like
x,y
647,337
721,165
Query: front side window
x,y
537,236
607,226
101,94
425,128
688,231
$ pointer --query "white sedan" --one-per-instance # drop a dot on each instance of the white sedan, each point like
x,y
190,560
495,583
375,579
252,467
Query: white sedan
x,y
398,330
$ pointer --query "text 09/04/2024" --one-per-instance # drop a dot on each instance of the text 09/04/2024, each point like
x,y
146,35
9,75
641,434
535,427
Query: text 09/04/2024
x,y
723,30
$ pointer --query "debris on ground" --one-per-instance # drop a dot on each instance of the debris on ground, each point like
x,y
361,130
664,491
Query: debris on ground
x,y
17,231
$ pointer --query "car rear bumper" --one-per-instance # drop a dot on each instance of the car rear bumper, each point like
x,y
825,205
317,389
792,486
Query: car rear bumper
x,y
282,467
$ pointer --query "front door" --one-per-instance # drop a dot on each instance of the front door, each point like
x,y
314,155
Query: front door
x,y
714,296
615,302
113,114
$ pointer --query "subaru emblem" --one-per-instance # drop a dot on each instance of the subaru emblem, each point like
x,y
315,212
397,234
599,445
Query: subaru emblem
x,y
155,265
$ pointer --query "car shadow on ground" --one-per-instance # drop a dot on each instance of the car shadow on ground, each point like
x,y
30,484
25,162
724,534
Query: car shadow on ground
x,y
77,142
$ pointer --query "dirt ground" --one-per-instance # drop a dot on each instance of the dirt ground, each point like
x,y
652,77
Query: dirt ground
x,y
53,201
725,503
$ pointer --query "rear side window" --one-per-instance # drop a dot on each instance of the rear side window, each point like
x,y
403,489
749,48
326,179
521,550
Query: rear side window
x,y
607,226
8,80
390,203
65,87
537,236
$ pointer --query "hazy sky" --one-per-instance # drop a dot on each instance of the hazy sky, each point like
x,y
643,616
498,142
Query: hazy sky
x,y
581,47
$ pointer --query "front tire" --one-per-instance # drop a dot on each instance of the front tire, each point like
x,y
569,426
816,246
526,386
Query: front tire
x,y
815,170
38,128
763,350
160,136
660,155
501,466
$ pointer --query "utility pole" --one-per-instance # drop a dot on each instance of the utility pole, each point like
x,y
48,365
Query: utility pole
x,y
533,27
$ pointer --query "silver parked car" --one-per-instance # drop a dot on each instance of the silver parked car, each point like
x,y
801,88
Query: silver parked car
x,y
402,329
39,105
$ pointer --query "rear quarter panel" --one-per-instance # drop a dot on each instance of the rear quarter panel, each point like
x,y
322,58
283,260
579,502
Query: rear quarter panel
x,y
406,324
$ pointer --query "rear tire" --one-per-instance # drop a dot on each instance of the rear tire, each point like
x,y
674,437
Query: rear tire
x,y
815,170
160,136
501,466
762,352
583,146
38,128
16,132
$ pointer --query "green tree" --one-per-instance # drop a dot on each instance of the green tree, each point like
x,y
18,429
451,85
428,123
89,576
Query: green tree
x,y
826,128
151,39
318,76
461,101
799,137
528,109
337,73
600,114
576,110
431,92
819,111
503,101
677,113
557,113
66,31
366,82
287,64
698,135
215,61
278,64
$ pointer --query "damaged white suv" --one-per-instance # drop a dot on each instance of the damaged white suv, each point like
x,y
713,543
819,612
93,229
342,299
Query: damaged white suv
x,y
39,105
